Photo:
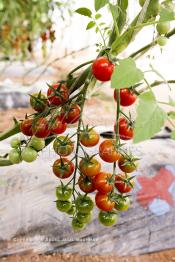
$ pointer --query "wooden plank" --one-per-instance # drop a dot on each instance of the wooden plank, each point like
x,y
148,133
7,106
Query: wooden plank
x,y
30,221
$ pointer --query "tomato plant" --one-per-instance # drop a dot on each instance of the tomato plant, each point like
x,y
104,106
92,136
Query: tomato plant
x,y
64,105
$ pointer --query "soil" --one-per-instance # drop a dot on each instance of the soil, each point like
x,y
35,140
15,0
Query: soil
x,y
167,256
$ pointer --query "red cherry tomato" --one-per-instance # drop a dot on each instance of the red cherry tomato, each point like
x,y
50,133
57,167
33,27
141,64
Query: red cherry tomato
x,y
102,69
63,168
108,152
125,131
102,183
58,127
122,183
127,97
72,114
86,184
26,127
60,96
103,202
40,128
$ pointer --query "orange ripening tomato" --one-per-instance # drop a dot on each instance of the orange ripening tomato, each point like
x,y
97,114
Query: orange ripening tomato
x,y
108,152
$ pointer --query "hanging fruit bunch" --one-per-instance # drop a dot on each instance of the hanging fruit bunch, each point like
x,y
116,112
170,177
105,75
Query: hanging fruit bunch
x,y
21,27
80,172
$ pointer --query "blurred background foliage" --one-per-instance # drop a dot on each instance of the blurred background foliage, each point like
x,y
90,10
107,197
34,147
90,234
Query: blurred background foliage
x,y
24,23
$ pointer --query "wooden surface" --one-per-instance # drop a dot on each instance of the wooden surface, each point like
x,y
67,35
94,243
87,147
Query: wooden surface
x,y
29,220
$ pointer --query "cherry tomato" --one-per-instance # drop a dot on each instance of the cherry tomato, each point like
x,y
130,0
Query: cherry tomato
x,y
163,28
63,206
15,156
71,114
63,146
86,184
71,211
102,182
103,202
127,97
37,143
107,218
26,127
29,154
162,40
59,96
38,102
58,126
76,225
108,152
40,128
122,183
125,131
63,168
123,204
89,138
127,165
84,217
89,167
102,69
63,193
84,204
15,143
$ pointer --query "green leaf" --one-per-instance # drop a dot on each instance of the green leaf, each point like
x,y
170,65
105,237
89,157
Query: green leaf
x,y
150,117
166,14
84,11
99,4
126,74
90,25
98,16
173,135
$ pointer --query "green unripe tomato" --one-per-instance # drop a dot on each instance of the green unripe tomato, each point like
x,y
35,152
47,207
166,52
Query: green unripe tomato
x,y
29,154
14,156
63,193
107,218
63,206
84,204
123,205
141,2
84,218
162,40
15,143
163,28
76,225
37,143
71,211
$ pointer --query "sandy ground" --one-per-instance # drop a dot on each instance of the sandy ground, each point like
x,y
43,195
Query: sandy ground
x,y
167,256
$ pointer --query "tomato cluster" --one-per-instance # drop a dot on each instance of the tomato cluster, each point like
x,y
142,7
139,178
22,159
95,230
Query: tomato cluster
x,y
53,114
